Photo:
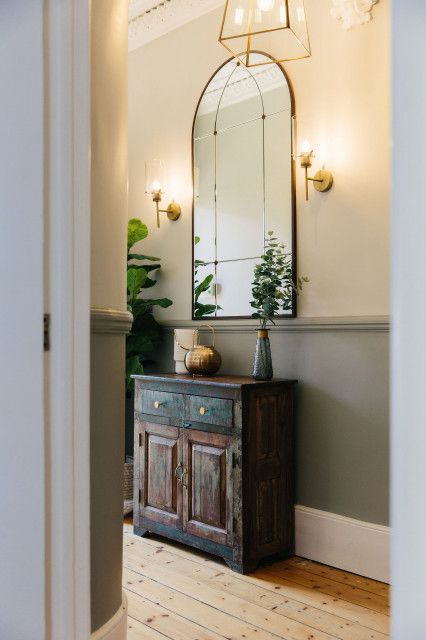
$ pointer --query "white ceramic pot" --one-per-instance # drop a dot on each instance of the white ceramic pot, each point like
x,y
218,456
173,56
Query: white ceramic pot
x,y
184,340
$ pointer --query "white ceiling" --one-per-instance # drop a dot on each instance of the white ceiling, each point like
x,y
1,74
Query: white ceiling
x,y
150,19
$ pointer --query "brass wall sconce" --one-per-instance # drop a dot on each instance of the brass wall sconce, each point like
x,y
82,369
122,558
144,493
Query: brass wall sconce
x,y
155,186
322,180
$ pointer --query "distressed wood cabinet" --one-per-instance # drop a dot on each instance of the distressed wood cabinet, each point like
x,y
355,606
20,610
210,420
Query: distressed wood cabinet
x,y
214,465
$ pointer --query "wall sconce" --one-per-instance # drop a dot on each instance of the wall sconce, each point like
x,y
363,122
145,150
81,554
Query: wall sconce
x,y
323,180
156,181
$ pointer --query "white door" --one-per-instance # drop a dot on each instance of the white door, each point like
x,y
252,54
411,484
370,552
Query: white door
x,y
44,266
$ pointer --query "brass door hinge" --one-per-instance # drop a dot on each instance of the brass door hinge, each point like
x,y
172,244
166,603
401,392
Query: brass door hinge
x,y
46,332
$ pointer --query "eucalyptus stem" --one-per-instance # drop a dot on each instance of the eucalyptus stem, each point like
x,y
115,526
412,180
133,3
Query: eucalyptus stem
x,y
273,286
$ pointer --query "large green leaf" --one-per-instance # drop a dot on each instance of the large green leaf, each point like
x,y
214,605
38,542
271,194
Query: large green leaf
x,y
147,267
135,281
136,231
203,286
139,256
139,344
133,367
202,310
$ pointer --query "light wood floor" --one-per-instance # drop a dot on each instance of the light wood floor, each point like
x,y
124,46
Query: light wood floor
x,y
177,593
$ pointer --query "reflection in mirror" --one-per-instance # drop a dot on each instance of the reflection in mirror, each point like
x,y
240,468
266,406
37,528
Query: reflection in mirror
x,y
243,183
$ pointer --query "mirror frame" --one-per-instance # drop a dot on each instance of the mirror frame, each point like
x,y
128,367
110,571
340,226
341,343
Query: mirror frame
x,y
293,314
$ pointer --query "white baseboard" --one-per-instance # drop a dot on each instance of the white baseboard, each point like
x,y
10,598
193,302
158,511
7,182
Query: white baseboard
x,y
359,547
116,627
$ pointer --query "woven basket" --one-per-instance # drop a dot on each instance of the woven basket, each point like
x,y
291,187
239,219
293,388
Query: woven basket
x,y
128,488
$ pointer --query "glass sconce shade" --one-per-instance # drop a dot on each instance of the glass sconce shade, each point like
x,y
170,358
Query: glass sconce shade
x,y
156,177
276,27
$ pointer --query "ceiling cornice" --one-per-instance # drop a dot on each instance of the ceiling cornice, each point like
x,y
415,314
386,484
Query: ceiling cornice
x,y
151,19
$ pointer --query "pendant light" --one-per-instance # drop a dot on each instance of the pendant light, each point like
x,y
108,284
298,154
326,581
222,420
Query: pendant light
x,y
275,27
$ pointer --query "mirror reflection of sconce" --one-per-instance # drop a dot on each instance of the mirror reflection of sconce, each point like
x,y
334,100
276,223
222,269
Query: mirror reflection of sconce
x,y
156,181
323,180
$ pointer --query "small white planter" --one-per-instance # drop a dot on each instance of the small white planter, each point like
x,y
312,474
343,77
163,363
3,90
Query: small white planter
x,y
184,340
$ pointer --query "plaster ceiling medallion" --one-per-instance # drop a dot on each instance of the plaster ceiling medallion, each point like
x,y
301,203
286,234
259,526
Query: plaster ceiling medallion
x,y
151,19
352,12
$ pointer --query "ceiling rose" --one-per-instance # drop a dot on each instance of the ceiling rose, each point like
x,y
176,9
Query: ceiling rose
x,y
352,12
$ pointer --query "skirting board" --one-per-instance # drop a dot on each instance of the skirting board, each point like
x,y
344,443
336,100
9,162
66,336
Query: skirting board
x,y
116,627
352,545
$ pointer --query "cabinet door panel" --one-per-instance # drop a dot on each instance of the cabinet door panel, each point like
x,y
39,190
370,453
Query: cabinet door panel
x,y
207,508
161,495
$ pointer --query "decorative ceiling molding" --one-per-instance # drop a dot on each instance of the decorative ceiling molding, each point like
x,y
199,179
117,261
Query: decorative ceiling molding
x,y
352,12
151,19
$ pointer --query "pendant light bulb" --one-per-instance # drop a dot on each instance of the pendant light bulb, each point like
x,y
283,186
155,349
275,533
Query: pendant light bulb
x,y
265,5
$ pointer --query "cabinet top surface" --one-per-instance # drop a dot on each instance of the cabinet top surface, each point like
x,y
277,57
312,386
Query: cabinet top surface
x,y
229,381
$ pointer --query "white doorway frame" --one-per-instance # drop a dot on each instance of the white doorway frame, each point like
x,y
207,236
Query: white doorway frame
x,y
67,279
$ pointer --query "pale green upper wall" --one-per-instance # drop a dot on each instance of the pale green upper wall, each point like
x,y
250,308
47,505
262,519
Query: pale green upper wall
x,y
342,99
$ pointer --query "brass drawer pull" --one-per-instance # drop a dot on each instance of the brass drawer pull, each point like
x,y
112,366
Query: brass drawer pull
x,y
158,404
204,411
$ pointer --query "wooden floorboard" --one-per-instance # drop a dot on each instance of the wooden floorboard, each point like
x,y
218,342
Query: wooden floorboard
x,y
178,593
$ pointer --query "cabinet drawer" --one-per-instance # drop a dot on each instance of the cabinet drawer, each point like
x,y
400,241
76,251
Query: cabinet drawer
x,y
210,410
161,403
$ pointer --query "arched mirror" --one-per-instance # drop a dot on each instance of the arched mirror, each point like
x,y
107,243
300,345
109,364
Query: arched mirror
x,y
243,184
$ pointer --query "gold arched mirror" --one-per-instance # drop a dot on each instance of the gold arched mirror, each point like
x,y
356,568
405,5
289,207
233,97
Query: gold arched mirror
x,y
243,184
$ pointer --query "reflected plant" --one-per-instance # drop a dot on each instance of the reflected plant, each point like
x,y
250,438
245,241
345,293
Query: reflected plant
x,y
273,285
201,310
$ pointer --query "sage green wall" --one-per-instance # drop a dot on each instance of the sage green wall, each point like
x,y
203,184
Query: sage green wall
x,y
342,408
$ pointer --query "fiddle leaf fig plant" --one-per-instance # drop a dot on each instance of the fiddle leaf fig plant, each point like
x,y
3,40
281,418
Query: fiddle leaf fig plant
x,y
146,332
273,285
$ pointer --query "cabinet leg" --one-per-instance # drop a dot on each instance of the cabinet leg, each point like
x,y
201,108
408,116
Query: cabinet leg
x,y
244,568
140,532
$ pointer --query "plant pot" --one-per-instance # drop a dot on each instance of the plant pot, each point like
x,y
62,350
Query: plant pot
x,y
262,366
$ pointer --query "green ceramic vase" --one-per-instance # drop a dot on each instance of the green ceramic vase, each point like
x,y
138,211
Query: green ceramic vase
x,y
262,366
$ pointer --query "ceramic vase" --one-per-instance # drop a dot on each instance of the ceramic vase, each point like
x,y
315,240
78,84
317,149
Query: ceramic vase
x,y
262,366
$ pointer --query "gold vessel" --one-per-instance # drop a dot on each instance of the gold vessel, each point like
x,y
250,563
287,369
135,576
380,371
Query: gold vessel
x,y
203,360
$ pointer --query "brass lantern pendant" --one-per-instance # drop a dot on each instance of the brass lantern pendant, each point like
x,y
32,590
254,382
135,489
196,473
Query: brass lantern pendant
x,y
203,360
276,27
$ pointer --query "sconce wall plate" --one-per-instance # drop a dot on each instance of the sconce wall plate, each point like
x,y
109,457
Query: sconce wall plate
x,y
174,211
323,180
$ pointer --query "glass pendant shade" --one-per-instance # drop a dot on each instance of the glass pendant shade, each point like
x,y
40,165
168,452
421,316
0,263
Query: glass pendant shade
x,y
275,27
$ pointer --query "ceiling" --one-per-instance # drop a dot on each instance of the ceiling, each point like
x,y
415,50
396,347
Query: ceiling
x,y
150,19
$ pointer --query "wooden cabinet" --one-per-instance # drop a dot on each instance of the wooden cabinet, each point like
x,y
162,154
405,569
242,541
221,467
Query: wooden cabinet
x,y
214,465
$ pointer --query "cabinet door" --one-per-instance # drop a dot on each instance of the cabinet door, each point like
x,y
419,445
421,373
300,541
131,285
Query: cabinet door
x,y
161,464
207,490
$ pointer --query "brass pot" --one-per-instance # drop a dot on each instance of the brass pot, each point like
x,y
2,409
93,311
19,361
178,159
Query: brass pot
x,y
203,360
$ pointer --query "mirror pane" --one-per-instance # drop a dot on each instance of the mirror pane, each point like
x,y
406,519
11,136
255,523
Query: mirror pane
x,y
204,199
205,121
241,100
278,178
240,198
234,288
